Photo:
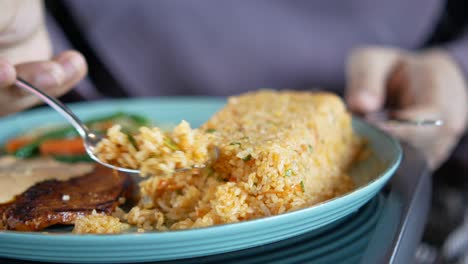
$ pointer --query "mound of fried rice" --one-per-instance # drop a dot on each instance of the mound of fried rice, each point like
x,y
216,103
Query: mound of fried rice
x,y
277,152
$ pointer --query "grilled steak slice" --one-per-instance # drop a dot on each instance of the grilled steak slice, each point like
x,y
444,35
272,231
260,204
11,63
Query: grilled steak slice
x,y
61,202
3,207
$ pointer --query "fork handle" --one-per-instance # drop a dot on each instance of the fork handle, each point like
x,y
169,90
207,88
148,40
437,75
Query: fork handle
x,y
55,104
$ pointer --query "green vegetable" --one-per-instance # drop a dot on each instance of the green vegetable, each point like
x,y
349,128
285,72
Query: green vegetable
x,y
211,130
302,186
140,120
235,143
311,149
32,149
247,158
106,118
288,173
29,150
130,122
73,159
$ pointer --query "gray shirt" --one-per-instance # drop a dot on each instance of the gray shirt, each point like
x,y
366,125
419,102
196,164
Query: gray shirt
x,y
222,47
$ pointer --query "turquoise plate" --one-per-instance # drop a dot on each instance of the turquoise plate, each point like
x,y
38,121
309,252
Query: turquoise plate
x,y
370,175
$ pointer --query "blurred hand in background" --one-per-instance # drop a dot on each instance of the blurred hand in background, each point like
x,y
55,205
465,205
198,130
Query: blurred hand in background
x,y
414,86
26,51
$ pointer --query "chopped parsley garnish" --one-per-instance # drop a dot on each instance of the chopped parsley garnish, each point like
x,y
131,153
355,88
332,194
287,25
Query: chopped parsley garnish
x,y
242,138
288,173
311,149
302,186
132,141
247,158
222,179
210,171
210,130
170,144
235,143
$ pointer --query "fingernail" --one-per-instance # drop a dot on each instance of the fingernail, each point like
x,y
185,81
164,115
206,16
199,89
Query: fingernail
x,y
368,101
71,66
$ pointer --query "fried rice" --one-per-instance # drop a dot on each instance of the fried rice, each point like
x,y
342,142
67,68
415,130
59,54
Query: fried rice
x,y
99,224
153,151
277,152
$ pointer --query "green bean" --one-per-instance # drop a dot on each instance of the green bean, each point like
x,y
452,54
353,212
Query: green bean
x,y
73,159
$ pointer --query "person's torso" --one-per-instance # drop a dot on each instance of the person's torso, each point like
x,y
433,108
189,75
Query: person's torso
x,y
215,47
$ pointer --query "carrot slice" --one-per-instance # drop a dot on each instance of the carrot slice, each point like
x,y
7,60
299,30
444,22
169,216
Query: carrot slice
x,y
16,143
63,146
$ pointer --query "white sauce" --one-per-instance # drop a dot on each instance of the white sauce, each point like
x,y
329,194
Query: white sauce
x,y
16,176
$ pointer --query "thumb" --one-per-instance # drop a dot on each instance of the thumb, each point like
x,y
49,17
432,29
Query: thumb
x,y
367,71
7,74
428,139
